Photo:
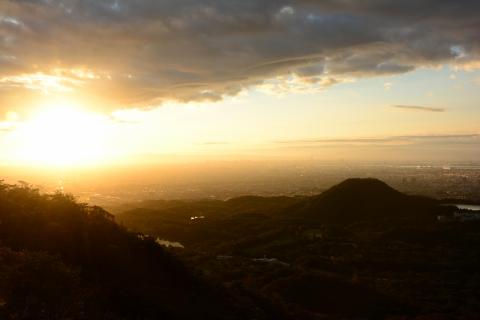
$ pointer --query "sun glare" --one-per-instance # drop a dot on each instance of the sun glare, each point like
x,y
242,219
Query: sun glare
x,y
62,134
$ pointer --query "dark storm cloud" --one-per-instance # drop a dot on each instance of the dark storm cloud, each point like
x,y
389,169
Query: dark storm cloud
x,y
419,108
139,53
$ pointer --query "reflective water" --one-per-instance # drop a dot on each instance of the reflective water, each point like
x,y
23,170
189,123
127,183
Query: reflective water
x,y
167,243
467,206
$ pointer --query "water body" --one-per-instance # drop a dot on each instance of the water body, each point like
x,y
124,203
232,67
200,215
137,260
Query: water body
x,y
167,243
475,207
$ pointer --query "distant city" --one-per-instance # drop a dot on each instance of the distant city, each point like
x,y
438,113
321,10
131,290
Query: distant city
x,y
230,180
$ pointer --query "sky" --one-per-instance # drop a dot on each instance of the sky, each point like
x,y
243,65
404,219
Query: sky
x,y
105,81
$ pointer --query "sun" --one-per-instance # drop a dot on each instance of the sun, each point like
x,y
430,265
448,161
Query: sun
x,y
62,134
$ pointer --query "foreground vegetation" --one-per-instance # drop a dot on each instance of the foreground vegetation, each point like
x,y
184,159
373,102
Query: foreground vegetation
x,y
60,259
360,250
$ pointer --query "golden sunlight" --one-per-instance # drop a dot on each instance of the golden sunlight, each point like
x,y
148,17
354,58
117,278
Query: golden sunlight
x,y
62,134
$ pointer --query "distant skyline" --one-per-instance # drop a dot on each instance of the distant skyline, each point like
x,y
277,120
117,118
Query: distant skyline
x,y
100,82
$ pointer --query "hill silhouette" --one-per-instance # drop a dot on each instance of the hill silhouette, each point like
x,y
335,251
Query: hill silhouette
x,y
352,201
364,199
358,189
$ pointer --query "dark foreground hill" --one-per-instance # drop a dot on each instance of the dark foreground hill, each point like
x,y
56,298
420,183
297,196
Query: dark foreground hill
x,y
360,250
60,259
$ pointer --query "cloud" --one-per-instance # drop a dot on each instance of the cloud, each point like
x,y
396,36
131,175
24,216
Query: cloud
x,y
441,136
122,53
214,143
336,141
7,126
419,108
407,148
391,140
